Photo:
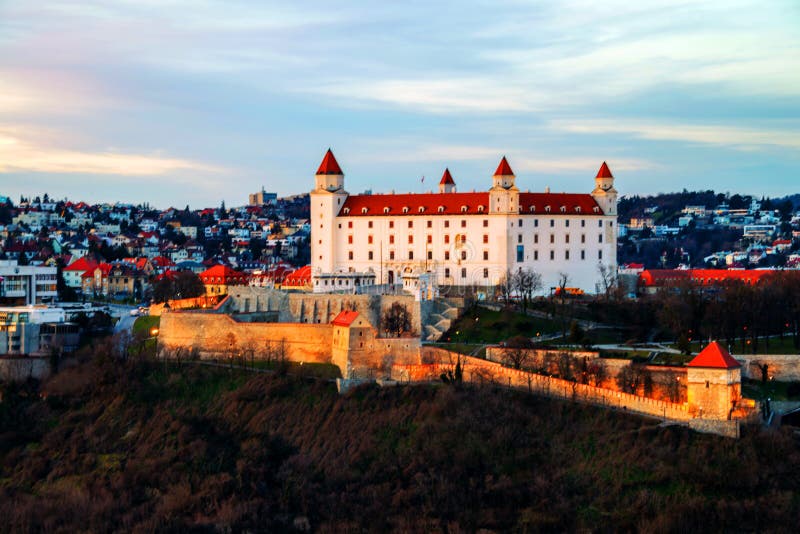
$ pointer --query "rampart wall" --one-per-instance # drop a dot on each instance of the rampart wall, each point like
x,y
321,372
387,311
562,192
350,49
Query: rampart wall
x,y
783,367
218,335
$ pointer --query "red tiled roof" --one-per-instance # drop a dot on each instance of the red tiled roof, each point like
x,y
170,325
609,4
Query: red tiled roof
x,y
329,164
466,204
300,277
82,265
447,178
504,169
161,261
604,171
219,274
659,277
714,355
345,318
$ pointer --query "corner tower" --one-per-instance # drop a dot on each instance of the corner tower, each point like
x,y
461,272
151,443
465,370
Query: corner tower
x,y
504,195
604,193
327,200
446,184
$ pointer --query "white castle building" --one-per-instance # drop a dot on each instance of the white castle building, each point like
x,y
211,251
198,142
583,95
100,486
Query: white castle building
x,y
459,239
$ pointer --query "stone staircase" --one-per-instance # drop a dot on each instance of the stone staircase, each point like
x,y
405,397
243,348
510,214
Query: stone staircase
x,y
444,312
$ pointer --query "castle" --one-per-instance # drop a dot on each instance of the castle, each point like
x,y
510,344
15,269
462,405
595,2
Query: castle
x,y
459,239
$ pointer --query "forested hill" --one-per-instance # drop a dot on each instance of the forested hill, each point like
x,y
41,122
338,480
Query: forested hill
x,y
143,448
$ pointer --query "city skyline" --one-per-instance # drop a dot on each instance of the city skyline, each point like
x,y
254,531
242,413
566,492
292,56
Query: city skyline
x,y
174,103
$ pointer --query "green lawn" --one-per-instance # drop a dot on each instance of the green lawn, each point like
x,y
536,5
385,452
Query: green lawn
x,y
145,323
480,325
773,389
776,346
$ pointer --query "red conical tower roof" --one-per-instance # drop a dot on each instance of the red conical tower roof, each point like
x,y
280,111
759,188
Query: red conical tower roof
x,y
504,169
329,164
446,178
604,171
714,355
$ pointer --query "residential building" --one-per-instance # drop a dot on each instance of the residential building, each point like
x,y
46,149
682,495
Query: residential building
x,y
27,284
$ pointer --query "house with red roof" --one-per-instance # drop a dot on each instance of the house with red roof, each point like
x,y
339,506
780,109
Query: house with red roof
x,y
459,238
651,280
218,278
73,273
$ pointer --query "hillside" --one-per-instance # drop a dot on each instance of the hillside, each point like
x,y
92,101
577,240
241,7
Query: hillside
x,y
145,448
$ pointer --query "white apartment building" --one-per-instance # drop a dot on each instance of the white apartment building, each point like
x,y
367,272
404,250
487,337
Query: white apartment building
x,y
27,284
462,239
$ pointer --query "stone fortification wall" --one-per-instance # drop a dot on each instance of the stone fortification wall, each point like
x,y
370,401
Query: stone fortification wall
x,y
217,335
318,308
481,371
783,367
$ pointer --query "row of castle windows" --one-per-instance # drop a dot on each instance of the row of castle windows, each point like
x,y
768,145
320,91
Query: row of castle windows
x,y
465,209
460,239
520,255
485,222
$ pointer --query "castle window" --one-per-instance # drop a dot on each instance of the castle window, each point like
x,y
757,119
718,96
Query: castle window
x,y
566,223
552,254
369,224
547,209
707,384
463,209
520,253
599,224
485,238
421,209
566,254
391,239
410,254
447,272
519,222
596,209
552,223
486,273
583,223
519,238
350,239
563,209
350,255
391,224
369,239
463,272
447,224
346,211
446,239
440,209
463,254
430,224
577,209
430,254
485,255
552,238
369,255
463,223
391,254
410,239
583,254
535,238
364,212
447,255
486,223
430,238
536,255
599,238
480,209
583,238
405,209
349,224
599,254
411,224
386,209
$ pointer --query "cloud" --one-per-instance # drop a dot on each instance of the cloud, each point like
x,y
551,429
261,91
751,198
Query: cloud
x,y
716,134
20,154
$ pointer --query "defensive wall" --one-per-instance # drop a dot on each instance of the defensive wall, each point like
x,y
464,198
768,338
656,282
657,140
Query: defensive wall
x,y
437,361
21,368
211,304
216,335
783,367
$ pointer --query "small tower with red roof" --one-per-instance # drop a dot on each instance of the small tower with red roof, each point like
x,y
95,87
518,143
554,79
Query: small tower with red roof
x,y
446,184
504,195
714,382
604,193
327,200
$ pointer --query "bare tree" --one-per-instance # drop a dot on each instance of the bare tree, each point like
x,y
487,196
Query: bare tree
x,y
526,282
518,351
563,302
506,286
597,372
396,321
609,280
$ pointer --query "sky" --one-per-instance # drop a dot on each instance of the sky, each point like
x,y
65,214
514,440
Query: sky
x,y
194,102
